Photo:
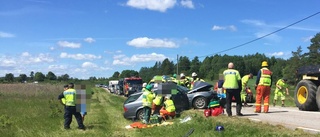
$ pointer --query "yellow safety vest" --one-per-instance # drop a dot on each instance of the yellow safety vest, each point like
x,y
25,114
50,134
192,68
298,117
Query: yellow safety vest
x,y
70,97
231,78
265,78
157,100
147,98
195,80
63,100
169,106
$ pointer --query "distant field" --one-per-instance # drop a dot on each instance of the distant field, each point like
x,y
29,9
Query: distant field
x,y
33,110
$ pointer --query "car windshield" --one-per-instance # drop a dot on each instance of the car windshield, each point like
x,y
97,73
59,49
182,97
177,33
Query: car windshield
x,y
132,98
182,88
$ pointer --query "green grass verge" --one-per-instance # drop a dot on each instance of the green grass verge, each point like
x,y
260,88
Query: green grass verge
x,y
41,115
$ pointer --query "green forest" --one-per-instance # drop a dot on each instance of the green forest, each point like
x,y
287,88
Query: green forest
x,y
208,69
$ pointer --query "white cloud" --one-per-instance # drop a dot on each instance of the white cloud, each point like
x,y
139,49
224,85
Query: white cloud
x,y
254,22
231,28
215,27
124,60
145,42
273,37
25,54
89,40
187,3
307,39
147,57
24,59
276,54
89,65
69,44
156,5
79,56
57,67
6,35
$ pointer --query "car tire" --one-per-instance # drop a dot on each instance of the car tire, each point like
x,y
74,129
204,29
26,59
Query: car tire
x,y
140,114
200,103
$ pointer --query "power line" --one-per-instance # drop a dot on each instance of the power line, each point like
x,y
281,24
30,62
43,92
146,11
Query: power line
x,y
262,36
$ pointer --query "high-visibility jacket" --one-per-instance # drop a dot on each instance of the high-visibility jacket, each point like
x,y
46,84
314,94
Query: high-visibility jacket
x,y
195,80
244,82
143,89
169,105
282,84
231,79
265,78
157,100
70,97
147,98
63,100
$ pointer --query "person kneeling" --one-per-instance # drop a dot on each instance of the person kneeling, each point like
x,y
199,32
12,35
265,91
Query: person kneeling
x,y
168,110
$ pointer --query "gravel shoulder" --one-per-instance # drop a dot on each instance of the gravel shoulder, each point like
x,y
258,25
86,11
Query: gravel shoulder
x,y
290,117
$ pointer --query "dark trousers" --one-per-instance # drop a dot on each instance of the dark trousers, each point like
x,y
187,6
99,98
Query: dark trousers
x,y
69,111
147,113
236,94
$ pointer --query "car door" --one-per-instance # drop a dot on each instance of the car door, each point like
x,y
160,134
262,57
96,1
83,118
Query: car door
x,y
181,101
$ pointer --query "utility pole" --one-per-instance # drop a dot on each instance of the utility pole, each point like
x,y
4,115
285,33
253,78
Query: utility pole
x,y
177,64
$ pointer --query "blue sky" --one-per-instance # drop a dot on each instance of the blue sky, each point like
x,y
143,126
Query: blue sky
x,y
86,38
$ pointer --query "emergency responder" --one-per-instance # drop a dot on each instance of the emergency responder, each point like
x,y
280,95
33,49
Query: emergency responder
x,y
232,85
147,98
281,87
194,79
263,87
70,109
168,108
245,80
184,81
157,104
144,87
63,100
174,78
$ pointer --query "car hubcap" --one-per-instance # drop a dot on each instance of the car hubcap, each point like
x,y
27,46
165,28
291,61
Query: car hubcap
x,y
200,102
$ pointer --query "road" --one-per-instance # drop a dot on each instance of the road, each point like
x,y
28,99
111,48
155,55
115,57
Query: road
x,y
290,117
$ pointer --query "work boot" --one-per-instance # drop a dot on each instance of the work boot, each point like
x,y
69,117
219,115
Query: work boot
x,y
282,105
274,104
245,105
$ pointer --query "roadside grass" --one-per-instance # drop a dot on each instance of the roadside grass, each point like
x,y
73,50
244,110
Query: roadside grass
x,y
34,111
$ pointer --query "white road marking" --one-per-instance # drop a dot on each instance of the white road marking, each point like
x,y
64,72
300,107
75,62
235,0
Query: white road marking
x,y
310,129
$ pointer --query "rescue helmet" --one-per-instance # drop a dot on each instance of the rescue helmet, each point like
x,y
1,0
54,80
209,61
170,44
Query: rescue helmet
x,y
194,74
264,64
167,96
182,75
144,85
174,75
149,87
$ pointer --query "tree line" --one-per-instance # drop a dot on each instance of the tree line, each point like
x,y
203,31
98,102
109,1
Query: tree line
x,y
208,69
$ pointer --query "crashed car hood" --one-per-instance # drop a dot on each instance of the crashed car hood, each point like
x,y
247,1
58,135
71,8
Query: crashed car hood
x,y
200,86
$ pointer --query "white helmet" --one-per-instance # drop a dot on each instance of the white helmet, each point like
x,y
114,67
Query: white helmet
x,y
144,85
182,75
167,96
194,74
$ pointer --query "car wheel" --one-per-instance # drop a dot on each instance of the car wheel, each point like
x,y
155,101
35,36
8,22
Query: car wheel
x,y
140,114
200,102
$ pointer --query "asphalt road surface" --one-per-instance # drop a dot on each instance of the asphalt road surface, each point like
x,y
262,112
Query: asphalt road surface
x,y
290,117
